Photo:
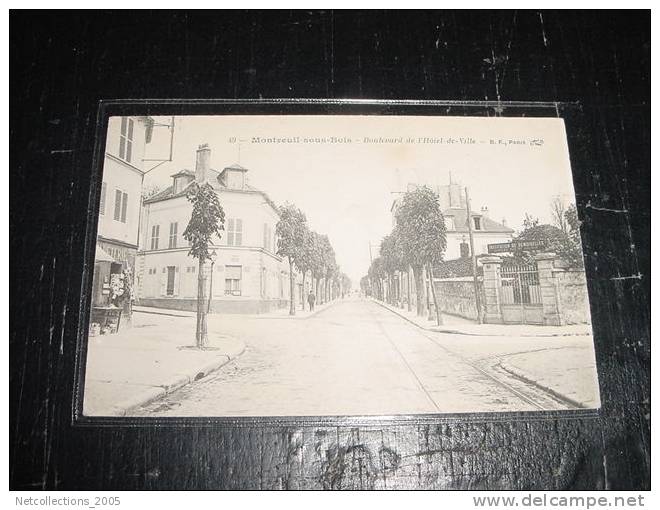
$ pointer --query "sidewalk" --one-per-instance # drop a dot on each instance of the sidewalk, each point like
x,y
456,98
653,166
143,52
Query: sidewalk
x,y
570,372
129,369
455,325
283,313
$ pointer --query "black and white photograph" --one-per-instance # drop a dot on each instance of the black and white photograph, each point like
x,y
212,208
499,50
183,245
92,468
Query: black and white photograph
x,y
337,265
340,248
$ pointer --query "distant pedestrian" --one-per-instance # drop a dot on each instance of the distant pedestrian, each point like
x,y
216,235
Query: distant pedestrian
x,y
311,299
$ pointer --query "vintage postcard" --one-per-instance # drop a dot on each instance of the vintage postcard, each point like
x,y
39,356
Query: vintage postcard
x,y
337,265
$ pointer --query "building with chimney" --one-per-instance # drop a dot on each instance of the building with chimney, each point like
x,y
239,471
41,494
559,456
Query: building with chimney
x,y
119,208
247,275
485,230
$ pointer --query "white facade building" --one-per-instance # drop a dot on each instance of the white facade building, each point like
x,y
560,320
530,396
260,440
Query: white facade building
x,y
247,276
119,209
485,231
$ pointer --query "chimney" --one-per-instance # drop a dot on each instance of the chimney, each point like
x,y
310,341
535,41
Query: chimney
x,y
504,222
484,211
455,196
202,163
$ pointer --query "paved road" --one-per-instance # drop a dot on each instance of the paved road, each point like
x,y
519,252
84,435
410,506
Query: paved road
x,y
354,358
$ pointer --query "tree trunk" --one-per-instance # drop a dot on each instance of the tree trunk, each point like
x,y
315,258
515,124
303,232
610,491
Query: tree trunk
x,y
438,313
420,288
201,334
408,289
292,290
303,290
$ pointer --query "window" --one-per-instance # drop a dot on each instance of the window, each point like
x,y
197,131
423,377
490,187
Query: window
x,y
102,204
155,233
234,232
233,280
173,231
121,203
449,223
465,249
477,223
126,139
235,179
190,269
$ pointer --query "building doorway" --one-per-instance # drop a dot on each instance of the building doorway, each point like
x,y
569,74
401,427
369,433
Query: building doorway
x,y
171,274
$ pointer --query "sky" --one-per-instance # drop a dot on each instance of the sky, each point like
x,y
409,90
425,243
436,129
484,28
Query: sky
x,y
344,171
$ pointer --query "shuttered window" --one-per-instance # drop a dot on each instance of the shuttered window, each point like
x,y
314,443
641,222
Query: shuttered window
x,y
173,233
124,206
126,139
102,204
121,203
235,232
155,232
118,197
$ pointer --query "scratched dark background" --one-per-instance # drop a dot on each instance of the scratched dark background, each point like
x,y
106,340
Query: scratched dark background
x,y
63,64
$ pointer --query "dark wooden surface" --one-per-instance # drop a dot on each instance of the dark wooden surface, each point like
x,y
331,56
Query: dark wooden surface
x,y
61,65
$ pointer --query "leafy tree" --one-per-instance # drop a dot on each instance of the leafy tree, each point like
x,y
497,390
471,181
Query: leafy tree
x,y
420,227
345,284
529,222
314,253
331,269
206,220
571,249
376,275
365,285
291,230
566,244
149,190
393,259
321,258
305,262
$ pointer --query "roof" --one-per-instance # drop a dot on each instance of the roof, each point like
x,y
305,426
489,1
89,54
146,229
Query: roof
x,y
487,225
235,166
185,171
168,193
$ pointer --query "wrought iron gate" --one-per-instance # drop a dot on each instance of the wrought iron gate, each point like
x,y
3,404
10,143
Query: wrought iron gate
x,y
520,294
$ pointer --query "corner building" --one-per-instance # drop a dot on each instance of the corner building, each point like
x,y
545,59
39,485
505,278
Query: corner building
x,y
247,276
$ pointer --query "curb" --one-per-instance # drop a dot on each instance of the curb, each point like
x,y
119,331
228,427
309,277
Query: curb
x,y
297,317
519,374
440,329
176,382
169,314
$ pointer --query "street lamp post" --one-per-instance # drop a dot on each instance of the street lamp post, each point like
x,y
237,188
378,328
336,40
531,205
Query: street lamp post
x,y
212,256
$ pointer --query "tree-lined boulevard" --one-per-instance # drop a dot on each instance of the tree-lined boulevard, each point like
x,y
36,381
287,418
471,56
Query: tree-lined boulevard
x,y
357,357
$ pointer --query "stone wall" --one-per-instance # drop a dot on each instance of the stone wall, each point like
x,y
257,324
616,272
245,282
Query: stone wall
x,y
573,297
456,296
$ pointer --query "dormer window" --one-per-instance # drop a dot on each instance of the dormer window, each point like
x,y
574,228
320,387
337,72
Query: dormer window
x,y
477,222
233,177
181,180
179,184
235,180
